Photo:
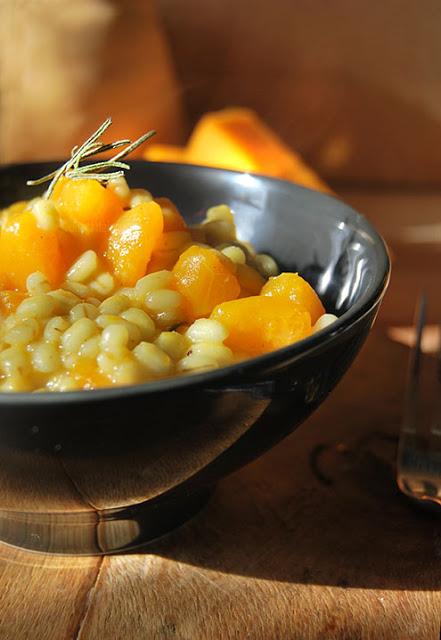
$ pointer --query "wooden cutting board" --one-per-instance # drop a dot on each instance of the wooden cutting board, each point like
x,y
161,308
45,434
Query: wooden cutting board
x,y
312,540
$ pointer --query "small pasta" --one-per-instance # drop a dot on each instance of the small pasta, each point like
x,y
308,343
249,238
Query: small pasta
x,y
46,358
103,285
114,339
142,320
37,283
235,254
154,281
23,332
91,325
173,343
205,330
152,358
78,332
84,267
324,321
39,306
115,304
221,354
163,300
196,362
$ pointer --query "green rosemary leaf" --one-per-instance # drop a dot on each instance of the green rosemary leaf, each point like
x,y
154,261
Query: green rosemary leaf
x,y
134,145
101,177
98,166
32,183
96,170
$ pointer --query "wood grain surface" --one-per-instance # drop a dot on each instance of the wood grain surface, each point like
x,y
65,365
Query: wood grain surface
x,y
311,541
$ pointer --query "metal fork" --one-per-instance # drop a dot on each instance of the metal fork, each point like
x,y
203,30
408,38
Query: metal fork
x,y
419,447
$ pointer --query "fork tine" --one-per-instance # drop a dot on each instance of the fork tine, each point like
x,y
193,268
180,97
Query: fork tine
x,y
438,356
419,452
435,425
412,388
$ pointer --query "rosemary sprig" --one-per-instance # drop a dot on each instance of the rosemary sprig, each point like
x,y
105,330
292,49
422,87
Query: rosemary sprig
x,y
95,170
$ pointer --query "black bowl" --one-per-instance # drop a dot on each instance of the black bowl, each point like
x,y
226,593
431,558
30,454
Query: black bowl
x,y
100,471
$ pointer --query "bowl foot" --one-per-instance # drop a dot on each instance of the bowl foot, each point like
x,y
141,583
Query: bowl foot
x,y
100,532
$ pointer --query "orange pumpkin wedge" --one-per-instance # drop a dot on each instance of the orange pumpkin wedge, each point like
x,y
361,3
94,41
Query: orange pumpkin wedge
x,y
161,260
173,221
260,324
291,286
87,206
236,138
132,239
251,282
26,248
205,279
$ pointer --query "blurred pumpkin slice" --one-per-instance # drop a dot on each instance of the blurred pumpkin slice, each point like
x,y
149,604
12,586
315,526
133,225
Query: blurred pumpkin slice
x,y
236,138
166,153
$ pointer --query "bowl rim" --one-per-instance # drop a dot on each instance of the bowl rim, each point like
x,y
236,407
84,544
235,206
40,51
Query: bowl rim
x,y
301,348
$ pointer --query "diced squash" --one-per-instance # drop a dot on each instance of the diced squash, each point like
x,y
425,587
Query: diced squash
x,y
250,280
260,324
237,138
161,260
165,153
173,221
71,246
168,249
3,281
173,240
15,207
87,205
132,239
9,301
293,287
205,278
25,248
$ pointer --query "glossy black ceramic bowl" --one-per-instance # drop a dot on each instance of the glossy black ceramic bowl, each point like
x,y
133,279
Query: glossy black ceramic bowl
x,y
99,471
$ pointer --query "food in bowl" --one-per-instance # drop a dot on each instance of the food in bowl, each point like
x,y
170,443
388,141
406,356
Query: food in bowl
x,y
102,285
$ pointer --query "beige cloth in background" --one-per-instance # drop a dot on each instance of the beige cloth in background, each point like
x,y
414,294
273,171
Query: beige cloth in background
x,y
66,65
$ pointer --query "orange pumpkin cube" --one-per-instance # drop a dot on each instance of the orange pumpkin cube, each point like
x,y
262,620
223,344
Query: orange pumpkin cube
x,y
173,221
132,239
87,205
161,260
260,324
173,240
291,286
205,279
251,282
26,248
170,243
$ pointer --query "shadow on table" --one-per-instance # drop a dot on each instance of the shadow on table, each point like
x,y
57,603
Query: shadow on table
x,y
346,526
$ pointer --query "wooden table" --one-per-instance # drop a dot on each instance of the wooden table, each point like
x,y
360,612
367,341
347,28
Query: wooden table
x,y
312,540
